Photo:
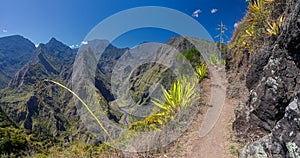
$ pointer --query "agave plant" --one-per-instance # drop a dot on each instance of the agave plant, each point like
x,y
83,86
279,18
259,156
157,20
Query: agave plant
x,y
178,97
215,60
258,11
250,31
258,5
257,17
181,93
275,27
201,71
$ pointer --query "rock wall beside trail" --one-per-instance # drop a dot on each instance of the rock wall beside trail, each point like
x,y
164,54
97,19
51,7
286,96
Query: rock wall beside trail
x,y
270,118
284,139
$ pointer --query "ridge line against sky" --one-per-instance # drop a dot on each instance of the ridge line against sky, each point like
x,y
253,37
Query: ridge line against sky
x,y
70,21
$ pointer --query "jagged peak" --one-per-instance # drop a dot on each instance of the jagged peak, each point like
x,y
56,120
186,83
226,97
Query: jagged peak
x,y
54,42
53,39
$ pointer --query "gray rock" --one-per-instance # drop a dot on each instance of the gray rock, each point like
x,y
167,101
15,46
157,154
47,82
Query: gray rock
x,y
283,141
270,119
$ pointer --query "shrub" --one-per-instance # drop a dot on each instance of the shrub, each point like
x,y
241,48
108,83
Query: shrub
x,y
215,60
12,140
201,71
250,35
275,27
178,97
193,55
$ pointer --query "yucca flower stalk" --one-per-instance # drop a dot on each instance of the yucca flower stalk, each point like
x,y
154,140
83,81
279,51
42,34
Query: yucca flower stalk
x,y
84,104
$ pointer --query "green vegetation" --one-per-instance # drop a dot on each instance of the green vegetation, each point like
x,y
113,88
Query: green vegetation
x,y
179,96
194,56
262,21
255,23
16,142
274,28
80,150
147,75
215,60
201,71
85,105
233,150
48,142
11,140
257,17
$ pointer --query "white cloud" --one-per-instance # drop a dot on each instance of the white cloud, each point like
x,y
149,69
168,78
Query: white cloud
x,y
214,10
235,25
36,45
196,13
84,42
4,31
74,46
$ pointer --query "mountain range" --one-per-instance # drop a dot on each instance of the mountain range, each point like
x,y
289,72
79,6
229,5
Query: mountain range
x,y
39,118
31,104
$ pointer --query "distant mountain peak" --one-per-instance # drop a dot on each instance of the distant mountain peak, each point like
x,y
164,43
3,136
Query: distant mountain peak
x,y
56,45
53,40
14,36
15,52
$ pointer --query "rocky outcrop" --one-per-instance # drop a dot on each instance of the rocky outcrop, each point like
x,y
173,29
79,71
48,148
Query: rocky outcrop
x,y
38,106
49,60
270,117
284,139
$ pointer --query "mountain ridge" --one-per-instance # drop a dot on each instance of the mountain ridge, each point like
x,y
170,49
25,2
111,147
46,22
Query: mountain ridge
x,y
15,51
50,111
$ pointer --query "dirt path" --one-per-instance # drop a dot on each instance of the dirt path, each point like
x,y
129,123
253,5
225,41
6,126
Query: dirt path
x,y
197,142
214,142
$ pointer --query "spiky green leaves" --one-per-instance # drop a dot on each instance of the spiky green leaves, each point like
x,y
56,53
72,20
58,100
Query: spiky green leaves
x,y
201,71
178,97
274,28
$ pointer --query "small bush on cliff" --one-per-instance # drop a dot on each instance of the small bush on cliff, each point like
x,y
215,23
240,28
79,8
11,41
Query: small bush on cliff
x,y
262,21
274,28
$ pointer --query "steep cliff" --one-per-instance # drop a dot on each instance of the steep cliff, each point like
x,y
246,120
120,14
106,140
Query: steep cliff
x,y
268,119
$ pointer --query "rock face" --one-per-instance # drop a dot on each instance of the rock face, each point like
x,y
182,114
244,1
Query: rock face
x,y
45,108
38,106
49,60
284,139
270,117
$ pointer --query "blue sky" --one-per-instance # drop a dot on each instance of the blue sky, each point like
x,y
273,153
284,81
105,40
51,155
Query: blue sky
x,y
70,21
